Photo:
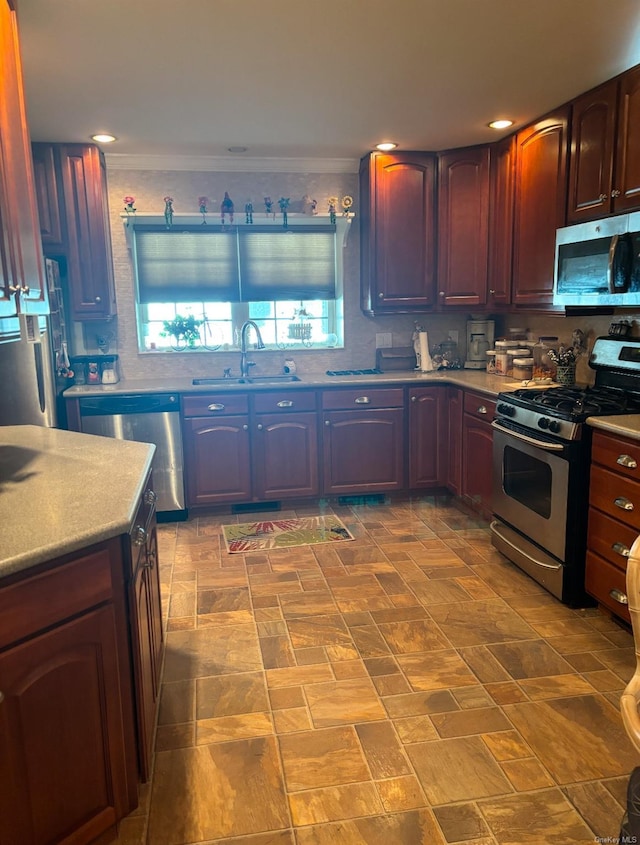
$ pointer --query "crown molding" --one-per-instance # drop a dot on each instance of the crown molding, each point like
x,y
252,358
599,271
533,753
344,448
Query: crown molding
x,y
231,164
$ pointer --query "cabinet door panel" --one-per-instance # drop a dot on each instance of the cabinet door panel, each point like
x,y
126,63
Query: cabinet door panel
x,y
218,464
627,167
363,451
593,127
477,463
286,456
501,204
454,463
427,428
61,734
463,211
540,208
46,184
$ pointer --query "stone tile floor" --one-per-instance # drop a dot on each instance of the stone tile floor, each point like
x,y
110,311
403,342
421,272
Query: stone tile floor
x,y
411,687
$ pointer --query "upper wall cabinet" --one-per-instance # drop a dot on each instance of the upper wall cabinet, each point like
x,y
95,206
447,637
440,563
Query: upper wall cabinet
x,y
501,203
22,277
397,231
463,226
72,200
540,207
604,172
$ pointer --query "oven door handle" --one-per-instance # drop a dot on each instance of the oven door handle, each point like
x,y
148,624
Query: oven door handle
x,y
494,527
541,444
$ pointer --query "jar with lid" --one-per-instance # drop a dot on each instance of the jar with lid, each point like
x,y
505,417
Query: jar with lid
x,y
544,369
491,361
501,356
523,368
512,354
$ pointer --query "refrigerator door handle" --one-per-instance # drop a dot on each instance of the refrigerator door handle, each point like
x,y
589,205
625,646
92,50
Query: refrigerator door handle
x,y
37,354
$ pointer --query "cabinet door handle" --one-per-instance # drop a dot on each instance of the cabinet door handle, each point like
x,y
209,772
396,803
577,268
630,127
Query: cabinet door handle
x,y
623,504
150,497
380,296
216,407
492,292
285,403
1,696
602,197
619,596
245,427
260,426
327,422
621,549
482,409
627,461
98,299
615,193
139,536
362,400
414,398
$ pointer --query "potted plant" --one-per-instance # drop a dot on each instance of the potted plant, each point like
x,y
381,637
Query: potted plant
x,y
185,331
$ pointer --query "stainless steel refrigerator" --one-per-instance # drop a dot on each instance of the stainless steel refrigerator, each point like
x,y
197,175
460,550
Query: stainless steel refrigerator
x,y
34,365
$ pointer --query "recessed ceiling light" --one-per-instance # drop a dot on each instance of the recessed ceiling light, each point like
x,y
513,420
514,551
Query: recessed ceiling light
x,y
103,138
386,146
501,124
237,149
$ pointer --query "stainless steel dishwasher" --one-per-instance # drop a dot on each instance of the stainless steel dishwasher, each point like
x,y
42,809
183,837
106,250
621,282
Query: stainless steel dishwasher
x,y
146,418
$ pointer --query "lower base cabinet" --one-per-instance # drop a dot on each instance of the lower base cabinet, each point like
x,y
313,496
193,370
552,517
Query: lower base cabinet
x,y
67,746
428,460
477,451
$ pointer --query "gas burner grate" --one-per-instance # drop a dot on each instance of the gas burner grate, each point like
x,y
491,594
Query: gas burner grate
x,y
373,371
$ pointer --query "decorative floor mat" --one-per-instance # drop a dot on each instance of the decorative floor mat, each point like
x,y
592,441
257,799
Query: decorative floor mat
x,y
284,533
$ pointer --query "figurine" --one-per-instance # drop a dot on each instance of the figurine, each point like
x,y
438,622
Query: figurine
x,y
347,202
202,202
333,202
248,212
283,202
129,207
226,207
268,204
168,211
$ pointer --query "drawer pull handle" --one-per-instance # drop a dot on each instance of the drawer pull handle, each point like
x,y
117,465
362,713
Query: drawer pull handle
x,y
216,407
285,403
482,409
623,504
139,536
627,461
621,549
150,497
362,400
619,596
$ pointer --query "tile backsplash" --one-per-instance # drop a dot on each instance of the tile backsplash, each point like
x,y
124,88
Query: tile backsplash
x,y
149,187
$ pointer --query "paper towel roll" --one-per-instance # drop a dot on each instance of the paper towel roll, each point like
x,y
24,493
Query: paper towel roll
x,y
426,364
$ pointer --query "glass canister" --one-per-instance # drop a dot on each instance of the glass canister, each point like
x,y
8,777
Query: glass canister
x,y
491,361
523,368
544,369
512,354
501,356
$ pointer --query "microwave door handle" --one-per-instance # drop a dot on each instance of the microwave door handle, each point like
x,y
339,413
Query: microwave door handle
x,y
613,247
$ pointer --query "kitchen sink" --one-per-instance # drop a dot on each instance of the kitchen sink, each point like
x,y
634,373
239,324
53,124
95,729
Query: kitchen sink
x,y
222,382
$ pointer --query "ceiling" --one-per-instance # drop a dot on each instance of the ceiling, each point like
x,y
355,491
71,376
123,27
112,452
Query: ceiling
x,y
310,78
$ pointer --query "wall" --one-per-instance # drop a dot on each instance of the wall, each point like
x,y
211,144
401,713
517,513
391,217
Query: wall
x,y
149,187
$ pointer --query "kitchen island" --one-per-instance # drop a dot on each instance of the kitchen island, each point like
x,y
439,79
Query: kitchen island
x,y
79,663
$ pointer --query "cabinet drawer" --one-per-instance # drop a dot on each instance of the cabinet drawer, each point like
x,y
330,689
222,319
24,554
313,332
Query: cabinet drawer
x,y
479,406
363,397
616,496
215,404
610,538
622,456
49,598
604,582
275,401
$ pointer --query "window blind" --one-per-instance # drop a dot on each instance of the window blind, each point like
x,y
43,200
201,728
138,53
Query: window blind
x,y
239,264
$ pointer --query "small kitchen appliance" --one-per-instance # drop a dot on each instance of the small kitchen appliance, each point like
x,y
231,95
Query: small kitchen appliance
x,y
541,460
479,340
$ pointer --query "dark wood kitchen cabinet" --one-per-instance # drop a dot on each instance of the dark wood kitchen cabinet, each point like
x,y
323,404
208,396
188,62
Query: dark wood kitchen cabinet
x,y
397,232
540,207
477,451
428,460
501,207
67,747
217,448
363,440
285,441
463,226
145,619
22,277
452,439
604,172
72,198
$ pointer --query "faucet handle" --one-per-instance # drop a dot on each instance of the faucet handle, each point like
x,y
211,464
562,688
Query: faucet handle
x,y
250,364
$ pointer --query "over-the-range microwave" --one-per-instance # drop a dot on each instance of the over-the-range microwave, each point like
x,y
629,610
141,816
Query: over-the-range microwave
x,y
598,263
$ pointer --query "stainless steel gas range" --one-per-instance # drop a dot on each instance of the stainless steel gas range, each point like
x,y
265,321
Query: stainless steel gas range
x,y
541,457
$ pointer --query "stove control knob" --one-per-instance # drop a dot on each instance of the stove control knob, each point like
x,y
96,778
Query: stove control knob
x,y
543,422
554,426
507,410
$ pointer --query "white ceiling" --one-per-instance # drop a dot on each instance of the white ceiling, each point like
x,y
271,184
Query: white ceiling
x,y
310,78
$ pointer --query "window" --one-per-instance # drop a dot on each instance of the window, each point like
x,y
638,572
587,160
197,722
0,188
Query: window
x,y
289,280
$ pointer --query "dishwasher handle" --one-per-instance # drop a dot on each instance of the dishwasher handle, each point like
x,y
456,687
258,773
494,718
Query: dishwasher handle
x,y
138,403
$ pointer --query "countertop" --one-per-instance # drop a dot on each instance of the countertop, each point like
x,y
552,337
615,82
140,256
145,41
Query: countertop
x,y
478,380
61,491
624,425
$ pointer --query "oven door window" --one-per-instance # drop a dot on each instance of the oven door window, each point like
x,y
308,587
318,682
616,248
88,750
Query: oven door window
x,y
527,480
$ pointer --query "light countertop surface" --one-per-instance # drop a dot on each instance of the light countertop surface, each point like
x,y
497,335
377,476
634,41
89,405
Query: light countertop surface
x,y
61,491
624,425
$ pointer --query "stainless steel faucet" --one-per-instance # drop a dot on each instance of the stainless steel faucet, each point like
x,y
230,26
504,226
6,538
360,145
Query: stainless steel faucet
x,y
244,364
